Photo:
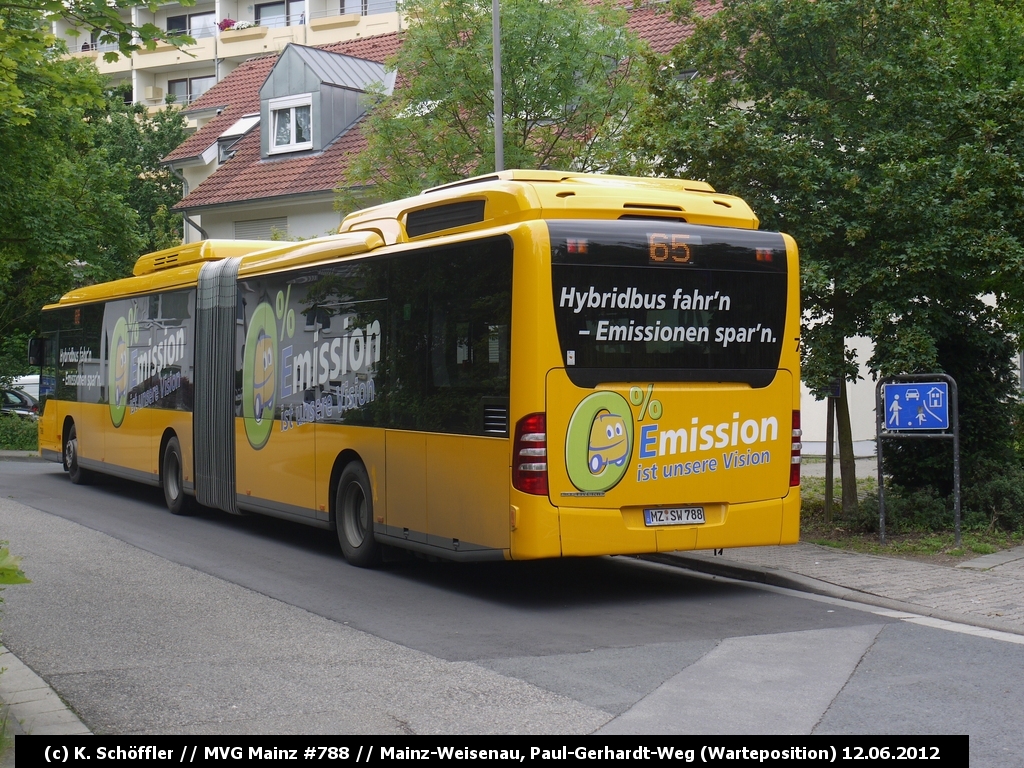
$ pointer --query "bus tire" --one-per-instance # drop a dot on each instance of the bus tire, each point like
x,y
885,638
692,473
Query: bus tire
x,y
353,512
172,477
78,475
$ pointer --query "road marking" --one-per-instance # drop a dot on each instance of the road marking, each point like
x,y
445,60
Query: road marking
x,y
914,618
966,629
737,687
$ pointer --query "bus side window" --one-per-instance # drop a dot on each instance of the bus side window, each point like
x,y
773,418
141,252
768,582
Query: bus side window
x,y
470,312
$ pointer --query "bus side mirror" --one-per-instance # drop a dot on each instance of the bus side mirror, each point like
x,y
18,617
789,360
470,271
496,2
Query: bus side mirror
x,y
36,352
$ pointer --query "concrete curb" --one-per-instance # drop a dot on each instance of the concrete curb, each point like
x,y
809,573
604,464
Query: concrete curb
x,y
988,562
20,456
31,705
787,580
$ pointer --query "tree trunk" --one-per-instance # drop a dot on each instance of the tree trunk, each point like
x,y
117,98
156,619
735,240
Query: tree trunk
x,y
847,464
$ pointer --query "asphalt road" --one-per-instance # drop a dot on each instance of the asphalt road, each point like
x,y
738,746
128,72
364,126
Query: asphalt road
x,y
149,623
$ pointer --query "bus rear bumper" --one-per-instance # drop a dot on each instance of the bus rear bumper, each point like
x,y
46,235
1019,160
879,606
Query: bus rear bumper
x,y
622,531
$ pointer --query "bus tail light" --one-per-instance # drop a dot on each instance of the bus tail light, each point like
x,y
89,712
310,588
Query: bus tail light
x,y
794,467
530,455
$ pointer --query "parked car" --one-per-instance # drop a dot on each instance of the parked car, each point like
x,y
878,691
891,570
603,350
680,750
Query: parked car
x,y
20,403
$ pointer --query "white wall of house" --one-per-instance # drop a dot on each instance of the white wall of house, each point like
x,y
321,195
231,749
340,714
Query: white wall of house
x,y
813,413
314,217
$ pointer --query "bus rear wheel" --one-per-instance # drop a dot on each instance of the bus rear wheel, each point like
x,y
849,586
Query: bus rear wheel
x,y
78,475
353,512
178,502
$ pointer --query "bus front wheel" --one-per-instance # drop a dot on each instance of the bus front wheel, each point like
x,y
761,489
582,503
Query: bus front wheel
x,y
177,500
354,516
78,475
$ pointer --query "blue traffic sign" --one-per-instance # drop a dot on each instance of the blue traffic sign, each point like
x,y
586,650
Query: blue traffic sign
x,y
917,405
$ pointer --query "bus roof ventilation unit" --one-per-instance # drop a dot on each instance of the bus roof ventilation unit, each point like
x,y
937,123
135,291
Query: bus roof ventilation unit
x,y
191,253
439,217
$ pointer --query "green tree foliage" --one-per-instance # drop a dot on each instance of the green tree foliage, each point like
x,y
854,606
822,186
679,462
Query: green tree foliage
x,y
568,79
130,136
10,570
882,135
80,181
10,567
26,41
64,216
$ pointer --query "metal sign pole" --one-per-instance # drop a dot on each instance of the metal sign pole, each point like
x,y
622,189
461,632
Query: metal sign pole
x,y
878,456
499,109
829,437
955,400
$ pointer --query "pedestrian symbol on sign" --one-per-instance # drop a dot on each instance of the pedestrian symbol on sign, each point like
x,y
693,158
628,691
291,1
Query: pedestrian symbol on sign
x,y
894,409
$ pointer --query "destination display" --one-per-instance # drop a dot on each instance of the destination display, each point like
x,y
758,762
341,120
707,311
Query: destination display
x,y
676,301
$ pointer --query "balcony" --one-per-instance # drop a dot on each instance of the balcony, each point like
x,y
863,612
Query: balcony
x,y
276,22
197,32
319,22
350,19
93,48
166,56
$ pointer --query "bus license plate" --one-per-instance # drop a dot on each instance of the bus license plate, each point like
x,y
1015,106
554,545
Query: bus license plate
x,y
674,516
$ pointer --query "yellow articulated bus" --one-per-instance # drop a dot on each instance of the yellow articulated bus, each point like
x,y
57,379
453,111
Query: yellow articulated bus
x,y
524,365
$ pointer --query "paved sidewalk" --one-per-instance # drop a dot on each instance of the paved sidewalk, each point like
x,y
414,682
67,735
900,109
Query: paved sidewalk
x,y
29,705
985,592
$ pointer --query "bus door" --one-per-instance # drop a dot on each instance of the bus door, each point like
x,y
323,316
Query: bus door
x,y
447,458
129,372
276,398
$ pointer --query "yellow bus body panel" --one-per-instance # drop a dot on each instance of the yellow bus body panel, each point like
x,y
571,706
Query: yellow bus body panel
x,y
467,489
334,440
283,471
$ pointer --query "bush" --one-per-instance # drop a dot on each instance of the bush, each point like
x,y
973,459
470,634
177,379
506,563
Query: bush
x,y
916,509
995,498
18,434
992,499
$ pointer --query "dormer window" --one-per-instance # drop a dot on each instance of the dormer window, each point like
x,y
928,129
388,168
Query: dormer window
x,y
332,97
291,124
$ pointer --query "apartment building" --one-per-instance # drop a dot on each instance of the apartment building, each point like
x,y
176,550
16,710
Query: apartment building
x,y
227,33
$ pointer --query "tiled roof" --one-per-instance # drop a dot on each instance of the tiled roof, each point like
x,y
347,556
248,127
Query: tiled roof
x,y
239,93
246,177
651,23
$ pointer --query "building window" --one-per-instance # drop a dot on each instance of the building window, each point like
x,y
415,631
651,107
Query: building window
x,y
224,149
187,90
284,13
195,25
261,229
291,124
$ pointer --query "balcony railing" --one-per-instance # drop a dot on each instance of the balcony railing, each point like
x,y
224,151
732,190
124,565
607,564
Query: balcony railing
x,y
91,46
274,22
197,33
362,7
